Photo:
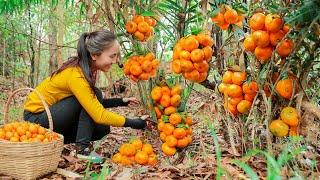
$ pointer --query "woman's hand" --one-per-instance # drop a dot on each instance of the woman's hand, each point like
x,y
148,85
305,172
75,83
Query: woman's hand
x,y
131,100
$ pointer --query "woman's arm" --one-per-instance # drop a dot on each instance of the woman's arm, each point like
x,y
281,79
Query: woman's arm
x,y
114,102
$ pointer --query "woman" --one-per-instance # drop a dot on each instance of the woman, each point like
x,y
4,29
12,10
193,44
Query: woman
x,y
77,106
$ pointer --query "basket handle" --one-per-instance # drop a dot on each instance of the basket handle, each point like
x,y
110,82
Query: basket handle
x,y
46,107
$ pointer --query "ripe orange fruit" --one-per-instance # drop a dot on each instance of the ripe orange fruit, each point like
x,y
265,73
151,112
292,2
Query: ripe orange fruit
x,y
231,16
234,90
137,19
231,108
139,35
224,26
249,97
14,139
183,142
239,77
158,112
202,66
141,158
263,54
126,161
185,55
222,87
261,38
2,134
152,160
189,121
163,136
135,70
286,28
273,22
117,158
207,53
227,77
249,44
168,128
285,47
190,43
171,141
285,88
175,100
179,133
160,125
244,106
218,19
137,143
155,63
147,148
175,90
146,66
131,27
205,40
156,93
276,37
279,128
175,119
202,76
165,100
186,65
21,131
170,110
165,90
33,128
235,100
197,55
257,21
144,76
8,127
194,76
167,150
250,88
127,149
176,68
290,116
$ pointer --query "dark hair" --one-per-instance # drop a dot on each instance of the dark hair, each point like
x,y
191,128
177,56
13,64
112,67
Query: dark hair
x,y
88,44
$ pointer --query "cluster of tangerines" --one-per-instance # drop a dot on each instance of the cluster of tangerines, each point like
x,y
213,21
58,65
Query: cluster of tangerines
x,y
135,152
267,34
21,131
238,93
227,16
141,27
175,132
141,67
166,100
286,124
191,56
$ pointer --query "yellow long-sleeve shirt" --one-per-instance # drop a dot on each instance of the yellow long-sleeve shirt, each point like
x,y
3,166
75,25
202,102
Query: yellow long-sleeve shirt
x,y
71,82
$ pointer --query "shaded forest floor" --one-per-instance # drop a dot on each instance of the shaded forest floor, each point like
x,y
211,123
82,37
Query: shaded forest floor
x,y
197,161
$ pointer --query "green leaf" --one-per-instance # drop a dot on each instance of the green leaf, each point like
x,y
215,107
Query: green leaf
x,y
165,118
249,171
148,13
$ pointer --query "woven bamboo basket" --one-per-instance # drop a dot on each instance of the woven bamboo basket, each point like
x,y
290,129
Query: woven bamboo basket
x,y
23,160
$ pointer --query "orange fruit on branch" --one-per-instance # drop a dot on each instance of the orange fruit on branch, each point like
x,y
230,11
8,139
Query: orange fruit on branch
x,y
290,116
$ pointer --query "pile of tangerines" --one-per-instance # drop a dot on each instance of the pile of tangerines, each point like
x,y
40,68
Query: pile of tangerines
x,y
141,27
286,124
227,16
141,67
191,56
238,93
135,152
21,131
268,32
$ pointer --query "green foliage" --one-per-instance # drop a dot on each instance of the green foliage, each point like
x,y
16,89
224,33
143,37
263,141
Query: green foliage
x,y
274,164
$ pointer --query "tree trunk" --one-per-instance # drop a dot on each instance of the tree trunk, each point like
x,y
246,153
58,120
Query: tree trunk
x,y
53,63
61,28
32,53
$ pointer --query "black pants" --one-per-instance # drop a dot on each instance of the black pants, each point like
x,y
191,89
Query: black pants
x,y
72,121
